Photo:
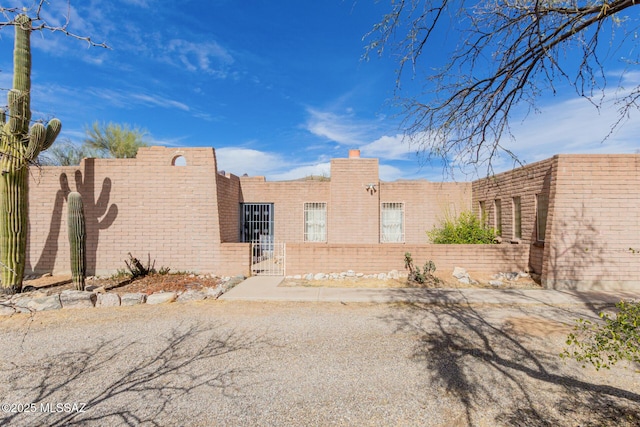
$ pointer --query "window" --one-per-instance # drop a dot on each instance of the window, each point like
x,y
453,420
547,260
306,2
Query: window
x,y
315,222
517,217
392,223
256,222
542,207
497,208
483,213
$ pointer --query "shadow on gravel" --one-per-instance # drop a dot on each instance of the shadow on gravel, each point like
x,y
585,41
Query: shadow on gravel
x,y
136,389
510,376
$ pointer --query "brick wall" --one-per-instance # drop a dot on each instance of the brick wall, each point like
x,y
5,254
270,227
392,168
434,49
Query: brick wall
x,y
526,183
187,217
229,194
378,258
426,204
354,212
143,206
594,223
288,198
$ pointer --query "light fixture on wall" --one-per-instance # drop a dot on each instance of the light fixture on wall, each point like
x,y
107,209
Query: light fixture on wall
x,y
371,188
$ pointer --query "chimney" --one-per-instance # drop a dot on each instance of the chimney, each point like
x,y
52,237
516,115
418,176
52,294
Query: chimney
x,y
354,154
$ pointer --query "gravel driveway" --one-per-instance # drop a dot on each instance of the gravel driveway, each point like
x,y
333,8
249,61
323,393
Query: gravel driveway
x,y
305,364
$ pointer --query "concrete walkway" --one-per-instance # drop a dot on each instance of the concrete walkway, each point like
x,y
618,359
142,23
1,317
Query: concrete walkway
x,y
265,288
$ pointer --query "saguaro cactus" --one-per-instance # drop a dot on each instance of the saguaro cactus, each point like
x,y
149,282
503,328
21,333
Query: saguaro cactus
x,y
20,144
77,239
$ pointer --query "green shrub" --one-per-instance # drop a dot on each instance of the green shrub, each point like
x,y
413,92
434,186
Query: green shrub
x,y
602,345
465,229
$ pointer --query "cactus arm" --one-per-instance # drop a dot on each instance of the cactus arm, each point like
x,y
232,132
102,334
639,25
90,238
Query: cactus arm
x,y
77,239
53,130
36,139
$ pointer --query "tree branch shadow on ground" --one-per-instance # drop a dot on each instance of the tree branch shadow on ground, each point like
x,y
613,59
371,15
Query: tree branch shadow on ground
x,y
132,392
513,377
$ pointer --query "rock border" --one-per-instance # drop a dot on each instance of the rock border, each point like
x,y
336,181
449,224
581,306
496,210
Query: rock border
x,y
31,302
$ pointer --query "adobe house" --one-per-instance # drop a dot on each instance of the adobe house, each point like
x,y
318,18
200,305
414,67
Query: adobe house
x,y
570,219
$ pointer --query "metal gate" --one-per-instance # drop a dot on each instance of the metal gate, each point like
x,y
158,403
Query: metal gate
x,y
268,258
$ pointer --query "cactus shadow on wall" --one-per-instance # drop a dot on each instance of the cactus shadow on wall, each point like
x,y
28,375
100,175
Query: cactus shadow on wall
x,y
47,259
99,214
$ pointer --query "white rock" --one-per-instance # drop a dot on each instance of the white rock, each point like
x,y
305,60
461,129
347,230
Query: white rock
x,y
382,276
495,283
459,273
77,299
393,274
108,300
192,295
359,274
38,302
319,276
161,298
133,299
297,276
308,276
214,293
351,273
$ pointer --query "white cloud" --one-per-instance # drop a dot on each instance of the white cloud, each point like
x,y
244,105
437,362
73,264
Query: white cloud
x,y
388,147
343,129
317,169
159,101
390,173
241,160
573,126
238,161
208,57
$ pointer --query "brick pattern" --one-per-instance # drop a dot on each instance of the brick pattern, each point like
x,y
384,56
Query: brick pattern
x,y
594,223
187,217
426,204
377,258
525,183
354,211
228,195
143,206
288,198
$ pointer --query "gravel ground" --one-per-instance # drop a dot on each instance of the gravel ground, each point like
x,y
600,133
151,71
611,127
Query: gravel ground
x,y
305,364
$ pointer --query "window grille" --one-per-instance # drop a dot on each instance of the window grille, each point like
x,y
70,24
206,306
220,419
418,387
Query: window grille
x,y
315,222
517,217
256,222
392,223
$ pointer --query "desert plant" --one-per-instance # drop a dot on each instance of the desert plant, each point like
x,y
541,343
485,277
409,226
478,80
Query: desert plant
x,y
19,146
77,239
604,344
137,269
417,276
467,228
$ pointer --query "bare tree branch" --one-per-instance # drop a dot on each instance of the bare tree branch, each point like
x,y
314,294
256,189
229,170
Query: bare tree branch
x,y
510,52
39,23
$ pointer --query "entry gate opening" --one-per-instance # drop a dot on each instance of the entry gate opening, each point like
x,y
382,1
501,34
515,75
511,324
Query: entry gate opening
x,y
257,227
268,258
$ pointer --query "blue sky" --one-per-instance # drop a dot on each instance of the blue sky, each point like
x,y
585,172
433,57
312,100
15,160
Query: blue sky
x,y
277,87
